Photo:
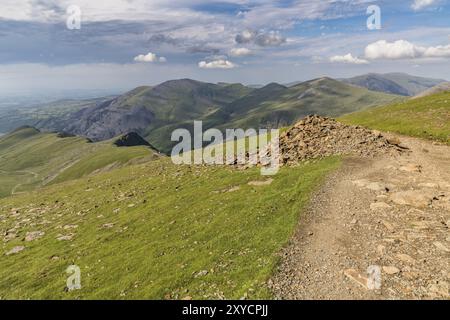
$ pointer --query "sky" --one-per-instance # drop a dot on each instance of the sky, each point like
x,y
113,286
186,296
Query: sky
x,y
49,46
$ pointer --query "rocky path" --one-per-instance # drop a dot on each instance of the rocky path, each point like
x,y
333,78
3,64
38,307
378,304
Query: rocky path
x,y
375,222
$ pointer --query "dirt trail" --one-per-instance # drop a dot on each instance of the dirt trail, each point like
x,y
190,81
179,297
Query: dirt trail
x,y
391,213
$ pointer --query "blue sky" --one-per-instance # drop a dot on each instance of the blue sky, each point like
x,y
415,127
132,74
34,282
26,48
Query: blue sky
x,y
126,43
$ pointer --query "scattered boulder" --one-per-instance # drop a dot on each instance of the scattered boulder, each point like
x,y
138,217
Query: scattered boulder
x,y
233,189
66,237
429,185
440,289
9,236
379,206
356,277
70,226
201,273
15,250
411,168
441,246
260,183
391,270
405,258
413,198
34,235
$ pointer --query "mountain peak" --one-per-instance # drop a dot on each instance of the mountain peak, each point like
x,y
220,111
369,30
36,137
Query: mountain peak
x,y
131,139
26,128
272,86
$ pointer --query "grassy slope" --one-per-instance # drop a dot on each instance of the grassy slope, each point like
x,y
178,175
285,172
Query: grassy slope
x,y
29,159
170,223
427,117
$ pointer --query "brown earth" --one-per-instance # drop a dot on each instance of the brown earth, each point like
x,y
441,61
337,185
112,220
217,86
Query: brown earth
x,y
390,212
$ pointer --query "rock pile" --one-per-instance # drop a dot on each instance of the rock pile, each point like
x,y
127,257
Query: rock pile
x,y
317,137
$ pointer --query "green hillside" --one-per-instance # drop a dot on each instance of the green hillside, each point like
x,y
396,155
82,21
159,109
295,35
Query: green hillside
x,y
278,106
154,231
29,159
154,112
427,117
324,96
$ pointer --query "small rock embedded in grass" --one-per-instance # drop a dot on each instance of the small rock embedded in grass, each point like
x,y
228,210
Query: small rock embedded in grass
x,y
260,183
9,236
15,250
201,273
70,226
67,237
35,235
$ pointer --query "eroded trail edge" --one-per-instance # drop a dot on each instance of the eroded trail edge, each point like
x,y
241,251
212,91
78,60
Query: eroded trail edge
x,y
392,212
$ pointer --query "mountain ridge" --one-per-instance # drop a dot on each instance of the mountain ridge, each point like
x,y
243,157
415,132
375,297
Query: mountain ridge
x,y
155,111
394,83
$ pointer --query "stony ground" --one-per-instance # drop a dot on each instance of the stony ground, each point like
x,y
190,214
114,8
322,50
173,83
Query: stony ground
x,y
317,137
390,212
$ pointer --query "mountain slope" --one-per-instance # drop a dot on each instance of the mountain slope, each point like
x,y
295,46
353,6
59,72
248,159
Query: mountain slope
x,y
278,106
30,159
146,108
442,87
155,112
14,117
394,83
427,117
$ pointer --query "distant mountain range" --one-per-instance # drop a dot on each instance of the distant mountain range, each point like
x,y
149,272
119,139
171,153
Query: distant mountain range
x,y
154,112
394,83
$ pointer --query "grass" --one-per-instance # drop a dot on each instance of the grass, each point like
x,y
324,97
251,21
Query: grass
x,y
169,223
427,117
29,159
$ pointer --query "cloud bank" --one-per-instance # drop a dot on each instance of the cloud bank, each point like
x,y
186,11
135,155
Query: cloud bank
x,y
422,4
402,49
149,57
217,64
348,58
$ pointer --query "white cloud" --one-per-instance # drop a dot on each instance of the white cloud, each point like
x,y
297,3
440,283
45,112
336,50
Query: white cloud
x,y
217,64
240,52
402,49
348,58
149,57
261,38
438,52
421,4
